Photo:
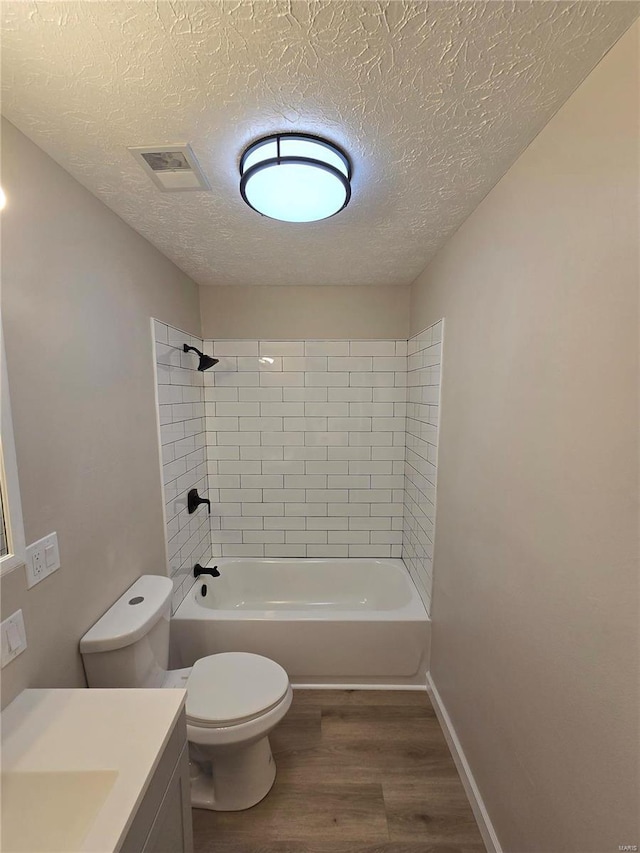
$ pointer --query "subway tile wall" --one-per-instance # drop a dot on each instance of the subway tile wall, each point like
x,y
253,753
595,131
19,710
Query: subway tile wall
x,y
309,449
181,417
305,447
423,414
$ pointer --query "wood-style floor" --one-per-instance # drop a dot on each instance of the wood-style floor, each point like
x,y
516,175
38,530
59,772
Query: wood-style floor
x,y
357,772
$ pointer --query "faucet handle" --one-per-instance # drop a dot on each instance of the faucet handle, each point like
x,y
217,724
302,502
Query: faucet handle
x,y
194,500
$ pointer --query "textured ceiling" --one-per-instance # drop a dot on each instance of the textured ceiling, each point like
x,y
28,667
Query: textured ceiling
x,y
433,101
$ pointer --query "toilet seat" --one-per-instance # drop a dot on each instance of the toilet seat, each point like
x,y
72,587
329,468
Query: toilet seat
x,y
231,688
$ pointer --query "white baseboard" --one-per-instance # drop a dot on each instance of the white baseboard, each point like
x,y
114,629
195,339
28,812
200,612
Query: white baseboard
x,y
345,686
476,802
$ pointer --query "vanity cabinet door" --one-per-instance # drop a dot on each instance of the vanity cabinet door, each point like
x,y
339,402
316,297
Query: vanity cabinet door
x,y
171,831
162,823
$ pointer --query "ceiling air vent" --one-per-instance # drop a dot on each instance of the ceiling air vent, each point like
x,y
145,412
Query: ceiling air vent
x,y
173,168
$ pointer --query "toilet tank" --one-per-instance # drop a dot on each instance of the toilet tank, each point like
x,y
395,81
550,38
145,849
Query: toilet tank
x,y
129,645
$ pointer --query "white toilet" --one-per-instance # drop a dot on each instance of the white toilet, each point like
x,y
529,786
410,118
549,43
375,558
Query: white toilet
x,y
234,699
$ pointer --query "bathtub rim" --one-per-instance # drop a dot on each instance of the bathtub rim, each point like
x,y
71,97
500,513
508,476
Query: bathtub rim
x,y
413,611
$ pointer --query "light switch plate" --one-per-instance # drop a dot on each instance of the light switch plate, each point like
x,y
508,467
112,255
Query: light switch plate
x,y
43,558
13,637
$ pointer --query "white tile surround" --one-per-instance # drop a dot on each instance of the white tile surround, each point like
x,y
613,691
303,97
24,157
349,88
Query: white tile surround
x,y
180,390
421,459
305,445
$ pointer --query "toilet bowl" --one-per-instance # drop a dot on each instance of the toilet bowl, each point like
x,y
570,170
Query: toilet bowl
x,y
234,699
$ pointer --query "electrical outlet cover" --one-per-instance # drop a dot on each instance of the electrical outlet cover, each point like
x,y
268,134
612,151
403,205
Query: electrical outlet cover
x,y
42,558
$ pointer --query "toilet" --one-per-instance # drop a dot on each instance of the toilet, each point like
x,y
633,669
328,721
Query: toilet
x,y
234,699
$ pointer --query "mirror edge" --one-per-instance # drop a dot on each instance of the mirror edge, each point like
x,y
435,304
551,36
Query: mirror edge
x,y
9,482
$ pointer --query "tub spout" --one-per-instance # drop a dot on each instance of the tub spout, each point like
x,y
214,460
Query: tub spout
x,y
199,570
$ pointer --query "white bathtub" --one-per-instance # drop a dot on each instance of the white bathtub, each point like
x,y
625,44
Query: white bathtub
x,y
325,621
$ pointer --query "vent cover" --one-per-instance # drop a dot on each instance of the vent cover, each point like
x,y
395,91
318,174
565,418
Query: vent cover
x,y
172,168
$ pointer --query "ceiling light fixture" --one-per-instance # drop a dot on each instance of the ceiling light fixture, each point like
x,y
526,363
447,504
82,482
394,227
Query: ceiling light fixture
x,y
295,177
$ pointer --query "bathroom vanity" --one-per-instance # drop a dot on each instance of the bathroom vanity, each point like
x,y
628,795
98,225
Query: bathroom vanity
x,y
95,771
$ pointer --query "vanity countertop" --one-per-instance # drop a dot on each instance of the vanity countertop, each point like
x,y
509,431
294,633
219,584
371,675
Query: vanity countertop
x,y
76,763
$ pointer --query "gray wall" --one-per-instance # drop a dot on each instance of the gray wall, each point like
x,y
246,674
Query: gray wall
x,y
78,289
535,632
296,313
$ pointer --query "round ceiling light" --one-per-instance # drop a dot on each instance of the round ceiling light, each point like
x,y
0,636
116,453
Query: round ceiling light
x,y
295,177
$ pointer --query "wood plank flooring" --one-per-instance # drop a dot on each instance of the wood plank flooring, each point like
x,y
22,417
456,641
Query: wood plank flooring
x,y
357,772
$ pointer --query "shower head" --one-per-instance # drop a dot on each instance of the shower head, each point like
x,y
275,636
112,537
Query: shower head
x,y
205,360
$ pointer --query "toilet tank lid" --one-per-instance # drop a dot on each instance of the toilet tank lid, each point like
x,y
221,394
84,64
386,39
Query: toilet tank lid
x,y
131,617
